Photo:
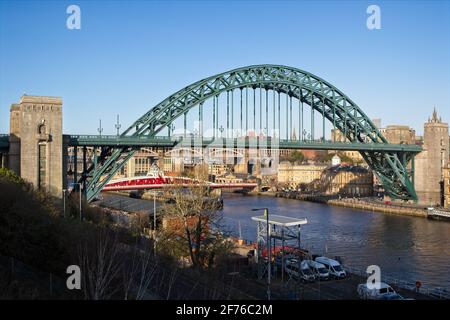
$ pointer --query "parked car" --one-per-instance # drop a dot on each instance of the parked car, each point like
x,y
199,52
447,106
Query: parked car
x,y
333,266
318,269
299,270
383,292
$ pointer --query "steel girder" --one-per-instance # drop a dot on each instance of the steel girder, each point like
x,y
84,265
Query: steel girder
x,y
310,89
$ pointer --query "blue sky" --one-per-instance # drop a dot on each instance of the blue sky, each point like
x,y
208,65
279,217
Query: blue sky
x,y
128,56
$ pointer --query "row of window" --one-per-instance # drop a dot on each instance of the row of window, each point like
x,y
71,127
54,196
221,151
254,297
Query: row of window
x,y
42,108
138,161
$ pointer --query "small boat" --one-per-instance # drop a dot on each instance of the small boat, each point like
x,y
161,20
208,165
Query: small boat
x,y
438,214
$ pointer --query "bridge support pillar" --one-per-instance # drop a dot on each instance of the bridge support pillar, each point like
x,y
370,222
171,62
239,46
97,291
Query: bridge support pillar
x,y
36,142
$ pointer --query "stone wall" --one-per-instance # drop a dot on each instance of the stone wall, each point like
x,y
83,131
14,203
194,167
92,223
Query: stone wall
x,y
36,146
399,134
430,162
446,186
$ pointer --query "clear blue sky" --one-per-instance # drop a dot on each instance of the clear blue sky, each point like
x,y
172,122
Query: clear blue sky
x,y
128,56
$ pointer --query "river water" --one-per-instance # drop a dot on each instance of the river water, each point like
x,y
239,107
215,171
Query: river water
x,y
405,248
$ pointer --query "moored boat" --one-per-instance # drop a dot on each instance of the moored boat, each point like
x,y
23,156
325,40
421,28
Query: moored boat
x,y
438,214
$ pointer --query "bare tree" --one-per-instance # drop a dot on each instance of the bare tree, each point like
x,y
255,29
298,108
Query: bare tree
x,y
171,281
193,220
138,273
100,262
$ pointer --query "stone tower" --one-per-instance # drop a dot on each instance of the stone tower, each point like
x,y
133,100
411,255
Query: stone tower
x,y
36,142
431,161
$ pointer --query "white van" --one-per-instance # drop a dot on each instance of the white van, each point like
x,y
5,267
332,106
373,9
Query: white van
x,y
318,269
334,267
299,270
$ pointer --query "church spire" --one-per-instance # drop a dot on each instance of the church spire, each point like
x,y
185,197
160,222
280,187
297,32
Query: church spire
x,y
435,118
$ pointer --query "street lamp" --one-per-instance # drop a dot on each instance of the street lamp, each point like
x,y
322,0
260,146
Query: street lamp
x,y
118,126
269,251
64,202
154,223
171,128
79,190
100,129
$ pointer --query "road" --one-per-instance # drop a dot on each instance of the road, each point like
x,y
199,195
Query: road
x,y
120,202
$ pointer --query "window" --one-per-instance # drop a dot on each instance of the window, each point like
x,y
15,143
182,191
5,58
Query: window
x,y
337,268
323,270
41,129
42,165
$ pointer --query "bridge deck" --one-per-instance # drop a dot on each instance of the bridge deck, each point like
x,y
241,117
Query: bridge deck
x,y
167,142
160,141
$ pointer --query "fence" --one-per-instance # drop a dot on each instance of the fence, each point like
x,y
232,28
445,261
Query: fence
x,y
22,281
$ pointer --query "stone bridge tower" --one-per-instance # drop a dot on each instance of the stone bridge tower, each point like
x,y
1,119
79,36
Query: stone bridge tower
x,y
36,142
431,161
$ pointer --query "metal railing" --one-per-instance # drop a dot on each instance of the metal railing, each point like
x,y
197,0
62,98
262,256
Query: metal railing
x,y
116,137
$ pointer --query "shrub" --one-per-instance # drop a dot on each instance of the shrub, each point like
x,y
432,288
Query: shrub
x,y
9,175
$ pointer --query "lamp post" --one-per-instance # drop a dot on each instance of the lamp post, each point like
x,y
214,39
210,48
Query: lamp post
x,y
269,251
64,202
100,129
154,223
171,128
79,190
118,126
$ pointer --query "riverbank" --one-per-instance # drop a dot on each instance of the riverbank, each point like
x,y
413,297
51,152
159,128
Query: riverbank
x,y
404,247
254,288
347,233
352,203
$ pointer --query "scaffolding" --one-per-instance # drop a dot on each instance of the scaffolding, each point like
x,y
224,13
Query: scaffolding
x,y
275,229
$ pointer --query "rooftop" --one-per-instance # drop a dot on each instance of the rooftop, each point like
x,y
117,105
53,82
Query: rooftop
x,y
281,220
40,99
346,168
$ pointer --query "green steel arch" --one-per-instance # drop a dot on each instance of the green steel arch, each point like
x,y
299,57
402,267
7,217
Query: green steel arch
x,y
334,105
